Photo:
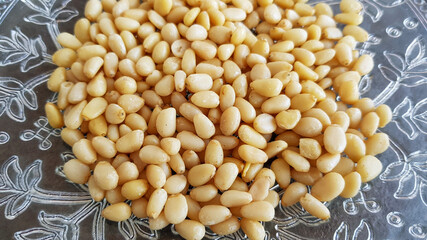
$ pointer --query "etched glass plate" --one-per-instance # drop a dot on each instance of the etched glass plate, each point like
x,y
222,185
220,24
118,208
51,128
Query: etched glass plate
x,y
38,203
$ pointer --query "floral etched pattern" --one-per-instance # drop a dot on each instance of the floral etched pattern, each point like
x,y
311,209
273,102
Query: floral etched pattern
x,y
15,96
29,53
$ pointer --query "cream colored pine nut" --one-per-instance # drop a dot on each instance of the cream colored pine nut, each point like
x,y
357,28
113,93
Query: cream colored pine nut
x,y
68,40
104,147
314,207
53,115
156,203
134,189
117,212
293,194
334,139
328,187
309,148
77,171
177,163
385,114
95,192
297,161
282,171
307,178
176,209
105,176
377,144
369,124
369,167
350,6
214,153
73,118
204,193
265,123
213,214
56,79
355,148
158,223
139,208
226,227
201,174
253,229
88,51
327,162
152,154
71,136
344,166
275,147
190,229
225,176
259,188
64,57
155,176
353,182
190,141
175,184
252,154
308,127
126,170
258,211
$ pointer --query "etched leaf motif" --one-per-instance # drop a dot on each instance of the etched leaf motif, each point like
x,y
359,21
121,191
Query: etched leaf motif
x,y
127,230
66,15
395,60
36,234
365,84
372,11
32,175
418,67
407,186
413,80
389,3
423,192
29,53
39,19
420,115
388,73
15,109
394,171
342,232
143,229
363,231
29,98
16,205
6,45
402,118
415,51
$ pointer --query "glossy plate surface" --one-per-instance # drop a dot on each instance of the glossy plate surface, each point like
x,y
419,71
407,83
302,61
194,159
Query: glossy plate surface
x,y
37,203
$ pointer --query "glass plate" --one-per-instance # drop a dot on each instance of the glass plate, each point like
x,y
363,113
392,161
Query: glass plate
x,y
37,202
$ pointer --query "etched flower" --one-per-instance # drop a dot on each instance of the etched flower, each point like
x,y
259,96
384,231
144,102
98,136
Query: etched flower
x,y
409,70
29,53
19,188
362,231
49,13
410,119
411,173
15,96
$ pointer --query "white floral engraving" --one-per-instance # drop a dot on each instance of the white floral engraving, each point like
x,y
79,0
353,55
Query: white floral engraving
x,y
29,53
362,231
15,96
409,70
411,120
410,172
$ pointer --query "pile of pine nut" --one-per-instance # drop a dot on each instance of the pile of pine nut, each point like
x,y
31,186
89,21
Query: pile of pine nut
x,y
188,111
